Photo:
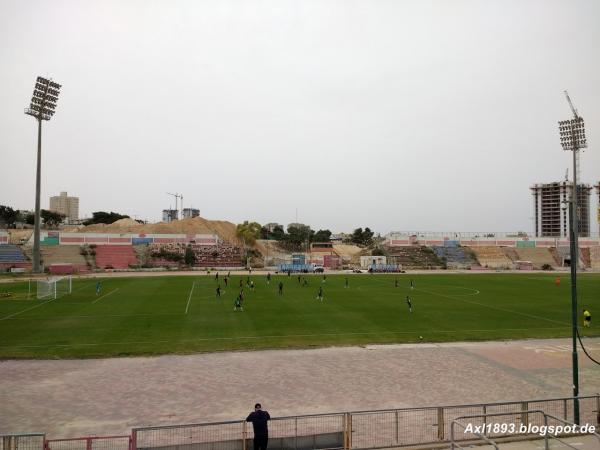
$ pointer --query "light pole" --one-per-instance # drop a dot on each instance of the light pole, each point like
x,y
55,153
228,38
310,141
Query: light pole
x,y
43,104
572,138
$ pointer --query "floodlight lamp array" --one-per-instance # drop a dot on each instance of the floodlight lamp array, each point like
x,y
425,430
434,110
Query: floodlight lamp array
x,y
572,134
44,99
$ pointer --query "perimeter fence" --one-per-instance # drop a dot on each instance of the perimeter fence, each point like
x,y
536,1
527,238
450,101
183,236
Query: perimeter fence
x,y
359,430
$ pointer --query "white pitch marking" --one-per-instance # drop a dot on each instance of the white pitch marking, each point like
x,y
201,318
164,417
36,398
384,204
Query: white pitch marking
x,y
189,298
106,295
25,310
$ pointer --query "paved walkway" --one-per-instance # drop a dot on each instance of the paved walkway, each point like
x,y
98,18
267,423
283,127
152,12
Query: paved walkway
x,y
71,398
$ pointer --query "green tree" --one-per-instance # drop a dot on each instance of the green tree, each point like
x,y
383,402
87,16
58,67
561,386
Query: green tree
x,y
190,257
51,218
104,217
297,235
322,236
357,236
249,232
8,216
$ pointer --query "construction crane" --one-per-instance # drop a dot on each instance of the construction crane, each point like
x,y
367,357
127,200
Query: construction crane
x,y
177,196
571,105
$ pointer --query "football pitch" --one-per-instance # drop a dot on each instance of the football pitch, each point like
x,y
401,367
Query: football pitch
x,y
182,314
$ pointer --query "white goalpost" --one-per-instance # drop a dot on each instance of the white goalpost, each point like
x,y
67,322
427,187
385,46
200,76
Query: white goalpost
x,y
54,287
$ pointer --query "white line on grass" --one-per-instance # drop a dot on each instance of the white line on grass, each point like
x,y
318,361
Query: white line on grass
x,y
234,338
532,316
106,295
25,310
189,298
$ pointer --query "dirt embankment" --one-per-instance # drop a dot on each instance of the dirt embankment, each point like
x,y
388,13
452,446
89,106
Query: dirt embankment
x,y
197,225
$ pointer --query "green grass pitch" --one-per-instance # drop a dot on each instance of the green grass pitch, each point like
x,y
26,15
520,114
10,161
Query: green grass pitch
x,y
181,314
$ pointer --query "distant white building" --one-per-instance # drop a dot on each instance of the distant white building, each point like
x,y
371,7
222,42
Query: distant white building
x,y
169,215
190,213
63,204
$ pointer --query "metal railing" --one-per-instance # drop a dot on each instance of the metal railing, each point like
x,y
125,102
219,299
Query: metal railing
x,y
504,429
90,443
359,430
25,441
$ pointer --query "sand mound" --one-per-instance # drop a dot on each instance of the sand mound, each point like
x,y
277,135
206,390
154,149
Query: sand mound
x,y
197,225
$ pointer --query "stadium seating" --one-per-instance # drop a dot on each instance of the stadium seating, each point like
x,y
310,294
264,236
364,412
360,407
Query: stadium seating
x,y
12,256
115,256
64,254
492,257
537,255
584,257
414,257
456,257
595,258
222,255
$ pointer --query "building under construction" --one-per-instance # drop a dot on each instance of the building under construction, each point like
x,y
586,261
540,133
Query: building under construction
x,y
551,213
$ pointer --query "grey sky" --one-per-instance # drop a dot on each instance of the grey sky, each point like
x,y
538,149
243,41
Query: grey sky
x,y
398,115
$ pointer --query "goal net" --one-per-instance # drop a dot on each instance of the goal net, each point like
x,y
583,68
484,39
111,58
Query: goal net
x,y
54,287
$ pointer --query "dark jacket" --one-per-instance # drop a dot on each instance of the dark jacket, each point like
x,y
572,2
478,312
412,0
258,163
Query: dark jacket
x,y
259,422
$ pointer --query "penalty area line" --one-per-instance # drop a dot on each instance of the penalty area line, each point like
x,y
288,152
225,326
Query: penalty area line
x,y
187,307
25,310
106,295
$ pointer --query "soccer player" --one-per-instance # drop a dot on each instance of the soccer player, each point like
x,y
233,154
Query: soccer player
x,y
396,282
98,288
281,288
409,303
268,277
219,291
252,285
247,281
305,282
299,278
241,283
346,284
587,318
557,281
217,276
226,280
324,278
238,304
320,293
412,285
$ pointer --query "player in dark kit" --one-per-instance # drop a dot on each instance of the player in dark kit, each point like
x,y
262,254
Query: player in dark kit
x,y
409,303
346,284
396,283
412,286
320,293
280,288
259,419
219,291
269,278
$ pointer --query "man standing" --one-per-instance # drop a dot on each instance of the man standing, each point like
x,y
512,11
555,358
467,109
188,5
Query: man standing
x,y
219,291
320,293
259,419
280,288
346,284
587,318
98,288
409,303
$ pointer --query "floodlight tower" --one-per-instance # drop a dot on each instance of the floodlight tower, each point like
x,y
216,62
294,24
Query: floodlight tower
x,y
43,104
572,138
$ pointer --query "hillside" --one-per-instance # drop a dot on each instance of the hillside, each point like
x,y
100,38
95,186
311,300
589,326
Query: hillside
x,y
197,225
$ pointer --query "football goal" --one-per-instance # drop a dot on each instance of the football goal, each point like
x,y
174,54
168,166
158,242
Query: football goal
x,y
54,287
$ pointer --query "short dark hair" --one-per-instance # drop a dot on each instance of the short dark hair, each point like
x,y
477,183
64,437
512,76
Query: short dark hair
x,y
258,405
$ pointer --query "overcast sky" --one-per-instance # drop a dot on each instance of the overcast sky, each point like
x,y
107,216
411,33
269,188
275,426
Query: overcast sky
x,y
398,115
